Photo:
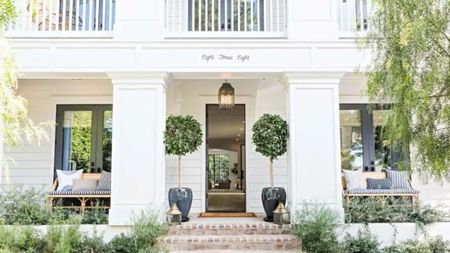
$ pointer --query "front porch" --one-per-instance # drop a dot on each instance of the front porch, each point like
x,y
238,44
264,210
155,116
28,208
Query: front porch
x,y
142,174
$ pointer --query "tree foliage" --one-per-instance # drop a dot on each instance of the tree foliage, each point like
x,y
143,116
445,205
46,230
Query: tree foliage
x,y
13,108
183,135
410,70
270,136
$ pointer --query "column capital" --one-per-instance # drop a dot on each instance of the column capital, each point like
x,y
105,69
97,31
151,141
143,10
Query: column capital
x,y
139,77
312,77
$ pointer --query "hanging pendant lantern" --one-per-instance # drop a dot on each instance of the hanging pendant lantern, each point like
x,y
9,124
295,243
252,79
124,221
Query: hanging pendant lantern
x,y
226,96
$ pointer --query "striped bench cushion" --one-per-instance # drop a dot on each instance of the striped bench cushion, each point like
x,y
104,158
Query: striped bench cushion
x,y
383,191
81,192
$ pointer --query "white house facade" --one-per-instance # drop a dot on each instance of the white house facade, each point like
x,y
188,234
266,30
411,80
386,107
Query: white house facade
x,y
120,68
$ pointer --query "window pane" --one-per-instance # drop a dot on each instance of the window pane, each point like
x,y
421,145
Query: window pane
x,y
107,140
77,143
351,140
382,145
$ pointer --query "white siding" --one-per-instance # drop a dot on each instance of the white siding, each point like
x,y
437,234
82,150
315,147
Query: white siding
x,y
33,165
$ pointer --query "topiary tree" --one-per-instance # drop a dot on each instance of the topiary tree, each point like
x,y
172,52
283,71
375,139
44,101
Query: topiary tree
x,y
183,136
270,136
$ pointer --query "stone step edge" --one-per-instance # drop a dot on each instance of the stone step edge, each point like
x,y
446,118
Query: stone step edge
x,y
175,239
261,225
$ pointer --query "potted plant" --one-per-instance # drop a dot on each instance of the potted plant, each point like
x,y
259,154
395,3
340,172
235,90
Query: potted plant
x,y
183,136
270,136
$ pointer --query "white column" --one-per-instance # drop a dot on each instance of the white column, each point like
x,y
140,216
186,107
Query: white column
x,y
314,147
138,153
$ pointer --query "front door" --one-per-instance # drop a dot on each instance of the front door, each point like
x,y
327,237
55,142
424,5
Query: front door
x,y
225,163
83,137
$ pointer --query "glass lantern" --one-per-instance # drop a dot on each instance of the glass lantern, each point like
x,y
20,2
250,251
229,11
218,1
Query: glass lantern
x,y
281,215
174,215
226,96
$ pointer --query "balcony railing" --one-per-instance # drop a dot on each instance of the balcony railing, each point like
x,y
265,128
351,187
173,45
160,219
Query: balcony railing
x,y
226,18
353,17
65,18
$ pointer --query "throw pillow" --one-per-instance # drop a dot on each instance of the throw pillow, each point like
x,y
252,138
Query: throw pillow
x,y
373,183
104,183
84,184
355,180
399,179
65,178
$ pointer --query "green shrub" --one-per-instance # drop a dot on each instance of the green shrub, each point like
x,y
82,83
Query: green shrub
x,y
365,242
22,206
20,240
366,210
316,226
431,245
63,239
143,235
95,215
122,243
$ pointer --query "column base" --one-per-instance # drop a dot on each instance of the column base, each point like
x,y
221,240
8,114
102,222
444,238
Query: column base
x,y
126,215
336,208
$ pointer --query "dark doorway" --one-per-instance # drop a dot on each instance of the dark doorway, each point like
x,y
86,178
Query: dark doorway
x,y
225,163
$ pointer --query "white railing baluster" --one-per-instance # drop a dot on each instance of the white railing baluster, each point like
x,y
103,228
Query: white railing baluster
x,y
213,15
174,18
180,13
252,15
271,15
226,14
200,15
50,15
92,16
245,16
219,16
193,15
206,15
111,13
258,18
44,13
97,14
103,15
232,15
71,2
77,14
239,15
278,15
84,21
63,13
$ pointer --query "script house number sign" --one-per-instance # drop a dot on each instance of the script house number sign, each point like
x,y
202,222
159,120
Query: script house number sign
x,y
225,57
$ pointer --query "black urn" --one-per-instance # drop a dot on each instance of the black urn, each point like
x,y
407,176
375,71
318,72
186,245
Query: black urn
x,y
271,197
183,198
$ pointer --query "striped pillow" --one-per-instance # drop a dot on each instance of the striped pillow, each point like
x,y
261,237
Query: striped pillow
x,y
373,183
354,180
105,181
399,179
84,184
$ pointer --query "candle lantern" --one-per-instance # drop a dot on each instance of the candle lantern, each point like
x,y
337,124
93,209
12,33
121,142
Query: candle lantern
x,y
174,215
281,215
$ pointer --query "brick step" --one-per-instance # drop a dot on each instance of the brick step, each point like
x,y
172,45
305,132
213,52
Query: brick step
x,y
232,251
255,228
272,243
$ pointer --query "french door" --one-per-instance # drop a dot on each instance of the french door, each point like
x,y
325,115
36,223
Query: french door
x,y
83,137
363,145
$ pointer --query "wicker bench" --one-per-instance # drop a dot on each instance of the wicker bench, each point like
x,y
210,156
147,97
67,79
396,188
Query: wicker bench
x,y
83,196
379,193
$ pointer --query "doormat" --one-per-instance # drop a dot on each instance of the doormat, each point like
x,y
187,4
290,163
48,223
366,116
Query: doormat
x,y
226,215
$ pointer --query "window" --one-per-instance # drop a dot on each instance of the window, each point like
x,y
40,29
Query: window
x,y
219,168
83,137
363,145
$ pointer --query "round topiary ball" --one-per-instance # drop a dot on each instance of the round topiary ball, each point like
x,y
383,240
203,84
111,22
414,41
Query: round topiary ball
x,y
183,135
270,135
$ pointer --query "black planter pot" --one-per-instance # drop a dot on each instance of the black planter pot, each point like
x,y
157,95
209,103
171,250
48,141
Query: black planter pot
x,y
271,197
183,198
